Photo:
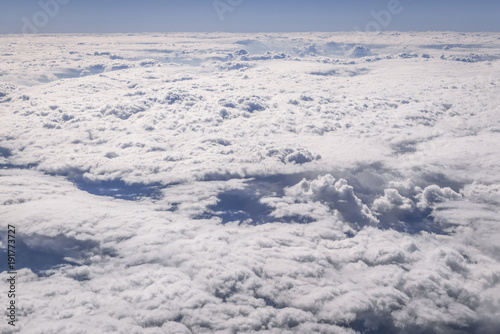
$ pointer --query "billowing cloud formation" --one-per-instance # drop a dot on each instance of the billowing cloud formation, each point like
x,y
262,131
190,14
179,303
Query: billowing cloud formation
x,y
409,212
167,272
324,196
233,184
338,195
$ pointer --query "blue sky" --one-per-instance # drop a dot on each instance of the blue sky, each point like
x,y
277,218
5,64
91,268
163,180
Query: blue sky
x,y
81,16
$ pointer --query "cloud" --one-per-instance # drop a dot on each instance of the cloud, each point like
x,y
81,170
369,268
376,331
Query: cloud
x,y
175,190
337,195
171,272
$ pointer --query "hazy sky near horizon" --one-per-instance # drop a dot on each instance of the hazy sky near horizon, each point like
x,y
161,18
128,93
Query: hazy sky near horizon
x,y
113,16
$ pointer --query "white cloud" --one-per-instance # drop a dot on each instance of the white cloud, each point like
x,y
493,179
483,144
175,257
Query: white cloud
x,y
379,173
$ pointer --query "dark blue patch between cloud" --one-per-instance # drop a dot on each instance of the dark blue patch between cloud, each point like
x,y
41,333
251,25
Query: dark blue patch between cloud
x,y
119,189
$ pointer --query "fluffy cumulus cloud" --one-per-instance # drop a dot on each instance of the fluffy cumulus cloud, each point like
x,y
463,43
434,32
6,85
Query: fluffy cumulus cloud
x,y
229,184
338,195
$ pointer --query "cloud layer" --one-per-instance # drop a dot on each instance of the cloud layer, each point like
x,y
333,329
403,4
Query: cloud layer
x,y
296,183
